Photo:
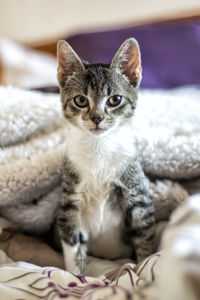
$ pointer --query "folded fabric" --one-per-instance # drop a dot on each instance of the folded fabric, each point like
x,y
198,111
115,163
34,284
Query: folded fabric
x,y
33,250
24,67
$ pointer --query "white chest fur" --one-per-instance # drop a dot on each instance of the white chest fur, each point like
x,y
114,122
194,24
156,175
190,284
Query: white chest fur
x,y
103,224
106,228
99,161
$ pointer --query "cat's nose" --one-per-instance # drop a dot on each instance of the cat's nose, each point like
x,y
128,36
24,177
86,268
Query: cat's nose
x,y
97,118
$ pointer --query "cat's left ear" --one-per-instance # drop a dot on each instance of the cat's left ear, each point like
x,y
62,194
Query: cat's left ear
x,y
68,62
127,61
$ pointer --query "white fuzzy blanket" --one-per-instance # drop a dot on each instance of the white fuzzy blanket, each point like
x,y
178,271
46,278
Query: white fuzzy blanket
x,y
32,141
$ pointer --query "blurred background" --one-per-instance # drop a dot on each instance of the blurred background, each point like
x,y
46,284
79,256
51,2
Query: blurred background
x,y
36,21
168,33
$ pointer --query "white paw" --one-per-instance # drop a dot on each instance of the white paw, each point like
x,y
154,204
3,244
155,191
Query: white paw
x,y
75,269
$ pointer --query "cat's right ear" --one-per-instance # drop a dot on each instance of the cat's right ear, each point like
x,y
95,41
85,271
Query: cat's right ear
x,y
68,62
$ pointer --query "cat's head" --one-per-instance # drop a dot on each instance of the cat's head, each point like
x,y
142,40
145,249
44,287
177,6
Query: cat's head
x,y
99,98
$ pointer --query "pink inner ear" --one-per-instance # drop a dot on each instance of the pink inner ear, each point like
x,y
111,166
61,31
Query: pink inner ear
x,y
68,62
131,65
65,68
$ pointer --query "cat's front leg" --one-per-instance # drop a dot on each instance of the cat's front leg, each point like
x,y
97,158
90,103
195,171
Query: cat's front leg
x,y
140,222
73,239
139,211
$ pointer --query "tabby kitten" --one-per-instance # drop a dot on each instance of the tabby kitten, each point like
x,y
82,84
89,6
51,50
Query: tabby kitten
x,y
105,209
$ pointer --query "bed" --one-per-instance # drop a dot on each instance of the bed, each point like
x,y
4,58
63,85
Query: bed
x,y
31,151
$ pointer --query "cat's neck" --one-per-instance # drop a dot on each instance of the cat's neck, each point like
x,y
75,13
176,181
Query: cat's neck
x,y
117,145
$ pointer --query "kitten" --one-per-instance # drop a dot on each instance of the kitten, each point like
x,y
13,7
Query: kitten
x,y
105,209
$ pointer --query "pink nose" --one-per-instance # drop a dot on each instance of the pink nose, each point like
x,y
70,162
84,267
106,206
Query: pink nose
x,y
97,119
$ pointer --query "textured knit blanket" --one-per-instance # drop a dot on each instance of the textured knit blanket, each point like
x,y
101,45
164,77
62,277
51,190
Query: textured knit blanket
x,y
32,143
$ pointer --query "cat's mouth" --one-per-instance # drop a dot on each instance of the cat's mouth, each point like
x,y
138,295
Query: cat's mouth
x,y
97,129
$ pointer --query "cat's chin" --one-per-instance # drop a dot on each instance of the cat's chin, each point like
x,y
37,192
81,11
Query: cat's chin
x,y
98,131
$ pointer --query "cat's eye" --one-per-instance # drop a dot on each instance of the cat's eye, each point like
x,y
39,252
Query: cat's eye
x,y
81,101
114,100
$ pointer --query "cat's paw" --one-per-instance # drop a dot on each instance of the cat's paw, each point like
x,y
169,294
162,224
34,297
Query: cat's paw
x,y
70,258
72,269
79,268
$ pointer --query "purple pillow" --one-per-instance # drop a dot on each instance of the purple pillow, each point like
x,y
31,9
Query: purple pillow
x,y
170,51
